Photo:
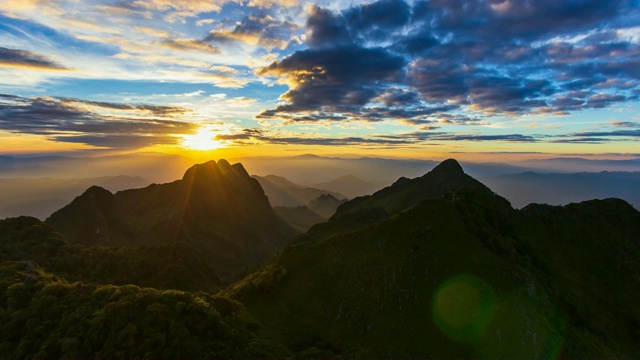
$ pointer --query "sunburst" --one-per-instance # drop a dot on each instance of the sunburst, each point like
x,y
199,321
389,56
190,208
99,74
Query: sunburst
x,y
203,140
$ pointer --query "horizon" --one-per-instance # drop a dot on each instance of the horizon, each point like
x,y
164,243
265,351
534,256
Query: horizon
x,y
471,80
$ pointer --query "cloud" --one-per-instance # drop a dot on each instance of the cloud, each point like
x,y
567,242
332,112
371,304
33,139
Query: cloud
x,y
258,29
187,8
27,59
189,45
440,58
339,80
626,124
93,123
251,136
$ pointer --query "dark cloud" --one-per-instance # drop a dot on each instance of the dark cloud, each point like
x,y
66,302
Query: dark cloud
x,y
333,80
626,124
256,135
69,120
616,133
448,136
158,110
27,59
488,57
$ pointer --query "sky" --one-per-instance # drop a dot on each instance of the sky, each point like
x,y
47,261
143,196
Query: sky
x,y
473,79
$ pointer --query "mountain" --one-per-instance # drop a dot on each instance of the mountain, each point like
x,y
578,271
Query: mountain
x,y
560,188
349,185
443,179
216,208
326,205
453,271
282,192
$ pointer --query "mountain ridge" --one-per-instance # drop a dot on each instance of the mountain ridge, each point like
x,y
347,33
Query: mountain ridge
x,y
216,208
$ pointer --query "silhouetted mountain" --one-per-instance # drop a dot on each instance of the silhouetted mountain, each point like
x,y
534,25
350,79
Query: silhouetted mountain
x,y
216,208
349,185
445,178
458,273
282,192
559,189
326,205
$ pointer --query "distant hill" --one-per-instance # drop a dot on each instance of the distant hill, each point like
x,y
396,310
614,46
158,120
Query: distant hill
x,y
155,167
40,197
300,218
560,189
216,208
451,270
349,185
282,192
326,205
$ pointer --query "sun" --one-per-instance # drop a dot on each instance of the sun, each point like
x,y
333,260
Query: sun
x,y
204,139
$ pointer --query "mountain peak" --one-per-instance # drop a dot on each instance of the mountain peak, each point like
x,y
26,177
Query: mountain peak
x,y
449,167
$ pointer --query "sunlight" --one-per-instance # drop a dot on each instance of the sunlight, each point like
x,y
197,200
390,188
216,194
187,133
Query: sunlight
x,y
204,139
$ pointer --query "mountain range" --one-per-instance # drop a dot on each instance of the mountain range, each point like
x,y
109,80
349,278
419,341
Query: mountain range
x,y
436,266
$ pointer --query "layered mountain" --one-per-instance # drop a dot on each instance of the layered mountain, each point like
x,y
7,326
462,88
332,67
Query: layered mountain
x,y
349,185
326,205
282,192
216,208
451,270
559,188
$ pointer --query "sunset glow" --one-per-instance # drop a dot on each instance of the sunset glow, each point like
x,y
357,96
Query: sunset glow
x,y
204,139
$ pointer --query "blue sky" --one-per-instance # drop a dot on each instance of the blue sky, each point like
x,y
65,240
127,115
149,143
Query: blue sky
x,y
390,77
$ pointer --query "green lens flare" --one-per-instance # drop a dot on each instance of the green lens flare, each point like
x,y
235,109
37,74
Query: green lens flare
x,y
463,307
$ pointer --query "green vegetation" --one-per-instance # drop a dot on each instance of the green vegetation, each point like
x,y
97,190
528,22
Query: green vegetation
x,y
171,266
42,316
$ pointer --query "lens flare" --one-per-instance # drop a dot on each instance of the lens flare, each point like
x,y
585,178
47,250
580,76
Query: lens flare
x,y
463,307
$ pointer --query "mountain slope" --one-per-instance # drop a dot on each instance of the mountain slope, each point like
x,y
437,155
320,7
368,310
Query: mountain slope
x,y
45,317
166,266
459,276
216,208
